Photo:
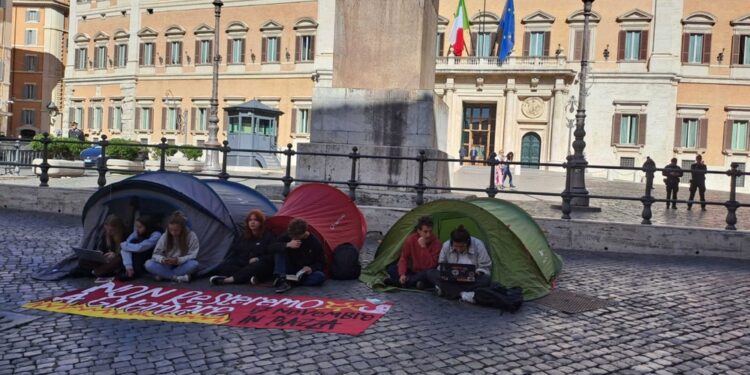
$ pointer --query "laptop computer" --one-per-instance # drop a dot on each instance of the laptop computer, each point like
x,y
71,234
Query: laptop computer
x,y
462,273
90,255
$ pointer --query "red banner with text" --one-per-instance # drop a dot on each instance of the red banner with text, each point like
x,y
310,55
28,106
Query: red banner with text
x,y
116,300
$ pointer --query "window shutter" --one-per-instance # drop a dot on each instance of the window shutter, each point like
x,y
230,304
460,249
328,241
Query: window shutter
x,y
493,40
728,134
78,59
111,117
547,42
526,43
678,132
226,122
616,119
91,118
707,49
643,53
473,44
621,46
735,49
151,119
137,119
197,53
263,50
168,56
192,116
703,133
179,55
230,46
642,129
312,47
294,121
297,49
153,53
685,47
242,51
164,118
117,55
71,115
441,41
141,49
211,51
578,45
278,49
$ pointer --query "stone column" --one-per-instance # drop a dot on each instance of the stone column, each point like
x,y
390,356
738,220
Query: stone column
x,y
558,131
510,128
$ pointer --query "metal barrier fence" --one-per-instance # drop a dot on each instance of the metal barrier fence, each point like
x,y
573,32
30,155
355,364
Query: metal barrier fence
x,y
11,152
566,196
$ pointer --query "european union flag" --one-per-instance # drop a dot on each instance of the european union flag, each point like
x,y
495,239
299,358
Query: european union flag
x,y
506,31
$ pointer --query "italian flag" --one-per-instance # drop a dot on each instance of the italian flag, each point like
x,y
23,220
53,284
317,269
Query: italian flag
x,y
460,23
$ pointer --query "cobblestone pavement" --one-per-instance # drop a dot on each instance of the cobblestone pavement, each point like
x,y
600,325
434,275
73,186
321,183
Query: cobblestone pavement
x,y
670,316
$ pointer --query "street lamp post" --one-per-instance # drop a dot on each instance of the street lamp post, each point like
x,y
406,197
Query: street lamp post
x,y
578,163
212,156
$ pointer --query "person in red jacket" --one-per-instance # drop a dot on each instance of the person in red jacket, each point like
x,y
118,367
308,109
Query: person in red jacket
x,y
419,254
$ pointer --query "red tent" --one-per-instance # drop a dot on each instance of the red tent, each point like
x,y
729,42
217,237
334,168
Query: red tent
x,y
330,214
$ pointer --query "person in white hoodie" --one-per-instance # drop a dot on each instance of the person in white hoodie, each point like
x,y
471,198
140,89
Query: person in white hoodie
x,y
137,248
175,252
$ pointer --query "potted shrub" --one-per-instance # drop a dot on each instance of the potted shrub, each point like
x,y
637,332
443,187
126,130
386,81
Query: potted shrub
x,y
60,155
124,155
154,161
192,164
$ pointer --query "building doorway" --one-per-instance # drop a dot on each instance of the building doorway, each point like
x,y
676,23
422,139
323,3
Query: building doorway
x,y
531,145
478,130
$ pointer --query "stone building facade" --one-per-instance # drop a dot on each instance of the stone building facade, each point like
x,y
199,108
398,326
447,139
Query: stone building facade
x,y
669,78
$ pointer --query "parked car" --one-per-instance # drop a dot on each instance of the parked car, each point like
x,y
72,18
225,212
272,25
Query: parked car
x,y
91,155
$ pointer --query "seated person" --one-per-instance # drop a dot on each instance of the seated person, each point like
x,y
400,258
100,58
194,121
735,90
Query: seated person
x,y
462,248
113,233
251,260
418,255
175,252
138,247
298,252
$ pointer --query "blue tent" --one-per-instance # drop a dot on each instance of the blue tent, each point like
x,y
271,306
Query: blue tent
x,y
215,208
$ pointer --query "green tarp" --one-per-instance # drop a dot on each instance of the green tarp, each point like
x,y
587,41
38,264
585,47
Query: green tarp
x,y
521,255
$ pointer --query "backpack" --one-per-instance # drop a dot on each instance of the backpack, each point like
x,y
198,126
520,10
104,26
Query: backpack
x,y
345,263
498,296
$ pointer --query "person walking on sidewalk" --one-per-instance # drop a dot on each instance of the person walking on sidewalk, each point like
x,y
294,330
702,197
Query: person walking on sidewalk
x,y
506,171
672,172
697,182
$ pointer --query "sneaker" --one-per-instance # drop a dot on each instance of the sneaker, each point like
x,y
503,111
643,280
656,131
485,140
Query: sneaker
x,y
182,279
254,280
283,287
438,291
420,285
216,280
512,186
277,281
502,186
467,297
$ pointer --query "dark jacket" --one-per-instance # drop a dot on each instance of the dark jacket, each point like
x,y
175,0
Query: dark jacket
x,y
672,172
310,253
243,249
698,174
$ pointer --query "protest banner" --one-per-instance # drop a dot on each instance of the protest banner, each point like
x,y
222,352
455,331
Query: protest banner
x,y
118,300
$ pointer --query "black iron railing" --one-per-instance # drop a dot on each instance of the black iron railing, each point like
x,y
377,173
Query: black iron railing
x,y
419,188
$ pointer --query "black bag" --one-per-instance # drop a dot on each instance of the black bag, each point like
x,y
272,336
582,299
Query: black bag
x,y
498,296
345,264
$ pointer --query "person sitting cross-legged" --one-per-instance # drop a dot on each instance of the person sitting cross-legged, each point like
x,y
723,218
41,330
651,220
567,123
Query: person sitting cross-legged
x,y
251,260
175,252
461,249
298,253
419,254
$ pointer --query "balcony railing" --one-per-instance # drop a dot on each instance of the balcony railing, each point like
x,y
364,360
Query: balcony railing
x,y
493,62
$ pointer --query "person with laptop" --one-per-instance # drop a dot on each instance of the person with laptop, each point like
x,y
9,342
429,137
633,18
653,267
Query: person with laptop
x,y
299,257
175,252
138,247
463,265
251,260
419,254
105,260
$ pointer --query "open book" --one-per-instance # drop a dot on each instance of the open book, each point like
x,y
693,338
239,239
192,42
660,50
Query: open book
x,y
295,277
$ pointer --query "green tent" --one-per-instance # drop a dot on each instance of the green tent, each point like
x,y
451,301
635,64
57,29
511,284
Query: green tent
x,y
519,250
